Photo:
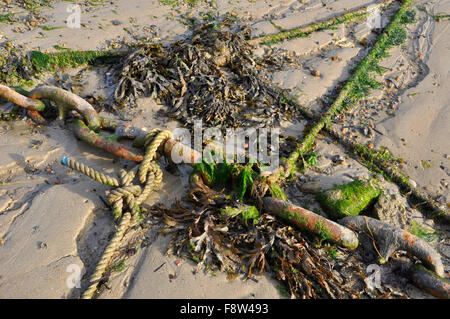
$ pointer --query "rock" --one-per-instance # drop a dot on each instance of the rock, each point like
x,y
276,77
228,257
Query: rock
x,y
390,209
323,162
311,187
315,73
338,159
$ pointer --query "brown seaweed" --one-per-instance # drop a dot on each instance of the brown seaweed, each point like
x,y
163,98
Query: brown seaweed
x,y
221,241
210,76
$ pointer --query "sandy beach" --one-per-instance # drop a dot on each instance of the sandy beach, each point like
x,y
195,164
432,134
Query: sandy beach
x,y
55,222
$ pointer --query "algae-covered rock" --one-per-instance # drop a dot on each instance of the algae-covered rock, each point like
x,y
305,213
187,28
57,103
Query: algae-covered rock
x,y
348,199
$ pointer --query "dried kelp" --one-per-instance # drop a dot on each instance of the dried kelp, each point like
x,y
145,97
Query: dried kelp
x,y
210,76
251,243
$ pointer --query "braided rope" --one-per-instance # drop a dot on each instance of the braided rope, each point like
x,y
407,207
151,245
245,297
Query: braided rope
x,y
107,255
127,177
120,192
154,178
134,196
152,144
92,173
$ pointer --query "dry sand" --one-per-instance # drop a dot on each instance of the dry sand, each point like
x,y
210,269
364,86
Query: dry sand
x,y
51,218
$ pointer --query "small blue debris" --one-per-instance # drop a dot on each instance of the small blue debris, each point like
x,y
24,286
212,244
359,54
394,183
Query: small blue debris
x,y
64,160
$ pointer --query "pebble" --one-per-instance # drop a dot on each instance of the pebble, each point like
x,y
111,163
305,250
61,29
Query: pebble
x,y
323,162
315,73
311,187
338,159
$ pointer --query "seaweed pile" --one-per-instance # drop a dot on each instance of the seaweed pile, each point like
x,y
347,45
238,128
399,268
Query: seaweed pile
x,y
240,240
210,76
15,66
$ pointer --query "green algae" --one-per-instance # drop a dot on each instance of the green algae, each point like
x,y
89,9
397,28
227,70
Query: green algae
x,y
42,62
348,199
422,267
245,212
7,18
276,191
245,180
423,232
322,231
119,267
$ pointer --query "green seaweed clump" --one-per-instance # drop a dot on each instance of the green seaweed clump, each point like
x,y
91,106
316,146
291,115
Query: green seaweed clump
x,y
241,177
245,212
323,231
214,173
245,180
408,16
348,199
276,191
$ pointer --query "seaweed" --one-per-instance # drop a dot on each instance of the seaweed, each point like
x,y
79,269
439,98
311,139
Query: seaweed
x,y
5,18
49,62
239,239
423,232
245,180
276,191
358,85
210,76
18,67
247,213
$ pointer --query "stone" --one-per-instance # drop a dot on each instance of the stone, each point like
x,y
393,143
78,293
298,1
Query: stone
x,y
311,187
338,159
390,209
